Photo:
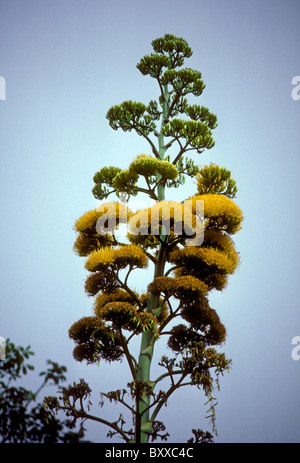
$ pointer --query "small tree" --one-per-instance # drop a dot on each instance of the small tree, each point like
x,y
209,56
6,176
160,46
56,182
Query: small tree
x,y
169,236
22,418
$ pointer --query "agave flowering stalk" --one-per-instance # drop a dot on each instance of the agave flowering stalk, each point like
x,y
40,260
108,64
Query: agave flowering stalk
x,y
190,250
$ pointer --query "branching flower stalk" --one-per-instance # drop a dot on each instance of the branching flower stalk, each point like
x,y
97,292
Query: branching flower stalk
x,y
186,266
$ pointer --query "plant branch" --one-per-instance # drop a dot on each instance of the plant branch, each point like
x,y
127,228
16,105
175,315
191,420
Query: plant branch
x,y
130,359
107,423
170,374
121,401
167,395
129,291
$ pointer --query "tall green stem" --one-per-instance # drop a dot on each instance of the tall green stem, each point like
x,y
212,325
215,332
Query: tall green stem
x,y
148,340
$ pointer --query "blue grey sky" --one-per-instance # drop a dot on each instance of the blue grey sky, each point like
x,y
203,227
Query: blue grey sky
x,y
64,64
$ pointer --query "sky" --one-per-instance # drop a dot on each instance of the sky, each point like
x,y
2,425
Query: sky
x,y
64,64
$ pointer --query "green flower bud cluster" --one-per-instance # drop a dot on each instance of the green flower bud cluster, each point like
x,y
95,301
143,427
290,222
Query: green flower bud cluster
x,y
113,179
213,179
196,133
147,165
176,48
184,81
200,113
133,115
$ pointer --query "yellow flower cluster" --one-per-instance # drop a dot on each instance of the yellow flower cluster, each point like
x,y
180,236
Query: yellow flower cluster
x,y
90,241
181,288
125,315
82,330
210,265
113,211
201,316
197,256
173,215
101,281
119,258
119,295
95,340
220,212
215,238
